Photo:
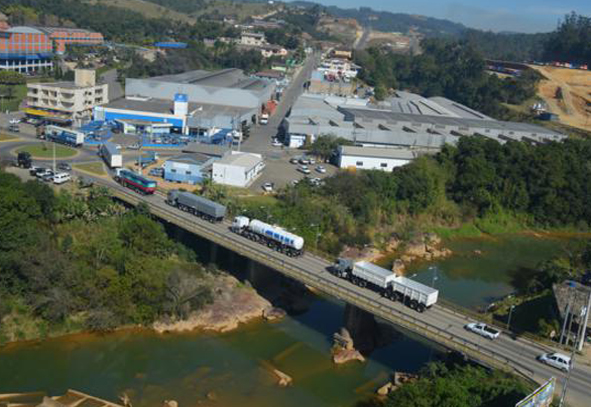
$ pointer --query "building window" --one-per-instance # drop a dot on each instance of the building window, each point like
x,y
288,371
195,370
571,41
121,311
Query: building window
x,y
384,165
188,172
173,170
359,163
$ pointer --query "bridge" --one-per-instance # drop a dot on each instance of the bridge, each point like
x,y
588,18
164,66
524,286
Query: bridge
x,y
442,324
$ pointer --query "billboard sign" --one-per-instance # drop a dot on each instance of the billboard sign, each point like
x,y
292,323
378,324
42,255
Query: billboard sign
x,y
541,397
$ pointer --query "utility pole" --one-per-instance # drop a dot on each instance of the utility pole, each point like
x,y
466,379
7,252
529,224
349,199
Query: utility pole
x,y
584,324
53,157
510,315
572,362
567,311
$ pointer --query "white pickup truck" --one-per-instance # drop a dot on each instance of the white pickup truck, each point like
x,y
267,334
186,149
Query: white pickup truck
x,y
483,330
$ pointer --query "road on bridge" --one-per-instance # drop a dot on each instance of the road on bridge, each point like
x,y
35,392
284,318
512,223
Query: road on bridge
x,y
440,324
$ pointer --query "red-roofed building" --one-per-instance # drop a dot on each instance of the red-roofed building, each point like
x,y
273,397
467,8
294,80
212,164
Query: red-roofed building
x,y
61,37
25,49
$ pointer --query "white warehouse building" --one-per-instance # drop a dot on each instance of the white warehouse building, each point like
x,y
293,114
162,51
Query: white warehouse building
x,y
371,158
237,169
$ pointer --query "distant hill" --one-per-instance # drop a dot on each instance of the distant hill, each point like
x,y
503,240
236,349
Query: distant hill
x,y
399,22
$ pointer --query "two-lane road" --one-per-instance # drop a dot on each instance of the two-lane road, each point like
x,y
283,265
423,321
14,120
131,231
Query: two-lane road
x,y
439,322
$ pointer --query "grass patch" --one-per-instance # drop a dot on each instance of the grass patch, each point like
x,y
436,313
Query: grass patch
x,y
7,137
45,150
466,230
96,168
262,200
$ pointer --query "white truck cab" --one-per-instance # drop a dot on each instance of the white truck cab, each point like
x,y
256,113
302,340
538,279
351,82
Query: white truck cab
x,y
240,222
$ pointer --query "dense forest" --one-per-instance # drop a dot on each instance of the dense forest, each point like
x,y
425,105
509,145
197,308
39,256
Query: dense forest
x,y
571,42
480,182
81,261
450,69
505,46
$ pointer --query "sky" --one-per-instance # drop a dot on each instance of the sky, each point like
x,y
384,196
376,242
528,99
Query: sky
x,y
497,15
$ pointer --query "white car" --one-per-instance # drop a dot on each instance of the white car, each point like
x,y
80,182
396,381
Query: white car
x,y
321,169
267,187
304,169
61,177
276,143
557,360
483,330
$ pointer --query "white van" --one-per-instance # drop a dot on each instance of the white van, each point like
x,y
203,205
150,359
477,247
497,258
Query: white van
x,y
61,177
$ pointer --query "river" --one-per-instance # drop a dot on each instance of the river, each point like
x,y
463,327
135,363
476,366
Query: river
x,y
234,368
485,269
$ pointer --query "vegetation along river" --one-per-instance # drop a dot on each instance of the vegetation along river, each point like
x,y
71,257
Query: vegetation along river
x,y
234,369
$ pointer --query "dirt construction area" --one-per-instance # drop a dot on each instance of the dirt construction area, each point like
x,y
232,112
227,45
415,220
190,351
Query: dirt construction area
x,y
574,107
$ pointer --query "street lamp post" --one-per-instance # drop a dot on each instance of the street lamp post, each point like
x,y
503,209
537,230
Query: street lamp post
x,y
435,276
510,315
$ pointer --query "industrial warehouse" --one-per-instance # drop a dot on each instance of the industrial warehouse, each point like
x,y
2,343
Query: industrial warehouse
x,y
210,105
406,120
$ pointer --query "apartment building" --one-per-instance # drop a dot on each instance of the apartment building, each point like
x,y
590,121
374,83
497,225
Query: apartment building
x,y
75,100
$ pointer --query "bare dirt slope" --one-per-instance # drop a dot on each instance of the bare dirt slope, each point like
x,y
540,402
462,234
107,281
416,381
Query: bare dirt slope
x,y
574,108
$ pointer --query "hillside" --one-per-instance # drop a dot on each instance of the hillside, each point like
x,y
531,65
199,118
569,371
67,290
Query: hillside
x,y
399,22
146,8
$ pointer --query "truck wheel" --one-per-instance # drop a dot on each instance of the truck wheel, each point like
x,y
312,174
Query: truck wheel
x,y
421,308
414,304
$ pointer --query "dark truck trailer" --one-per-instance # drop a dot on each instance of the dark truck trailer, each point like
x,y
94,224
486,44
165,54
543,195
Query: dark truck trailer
x,y
24,159
197,205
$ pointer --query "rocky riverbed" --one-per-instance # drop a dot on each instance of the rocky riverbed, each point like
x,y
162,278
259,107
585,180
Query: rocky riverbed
x,y
234,304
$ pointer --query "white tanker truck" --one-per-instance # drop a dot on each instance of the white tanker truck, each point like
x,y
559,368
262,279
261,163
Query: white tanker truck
x,y
273,236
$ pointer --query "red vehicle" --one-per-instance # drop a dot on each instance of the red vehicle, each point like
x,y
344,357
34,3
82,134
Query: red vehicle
x,y
137,182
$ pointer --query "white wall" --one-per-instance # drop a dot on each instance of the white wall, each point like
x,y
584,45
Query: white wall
x,y
235,175
370,163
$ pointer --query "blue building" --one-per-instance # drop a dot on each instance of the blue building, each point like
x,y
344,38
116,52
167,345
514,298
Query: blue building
x,y
188,168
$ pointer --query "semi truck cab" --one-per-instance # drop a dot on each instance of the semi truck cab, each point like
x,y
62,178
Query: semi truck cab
x,y
240,223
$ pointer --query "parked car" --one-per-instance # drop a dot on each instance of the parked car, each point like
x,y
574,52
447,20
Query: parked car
x,y
483,330
557,360
321,169
33,170
295,182
64,167
294,160
311,161
134,146
61,177
268,187
156,172
304,169
47,177
41,172
304,161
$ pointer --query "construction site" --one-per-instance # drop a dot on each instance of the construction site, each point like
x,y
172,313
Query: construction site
x,y
567,93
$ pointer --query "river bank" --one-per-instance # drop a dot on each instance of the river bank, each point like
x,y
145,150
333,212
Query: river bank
x,y
233,304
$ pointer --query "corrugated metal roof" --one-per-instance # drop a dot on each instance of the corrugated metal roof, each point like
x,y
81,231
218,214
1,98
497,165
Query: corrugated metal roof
x,y
245,160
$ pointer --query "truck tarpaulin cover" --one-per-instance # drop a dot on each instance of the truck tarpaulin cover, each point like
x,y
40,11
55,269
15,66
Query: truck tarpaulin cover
x,y
541,397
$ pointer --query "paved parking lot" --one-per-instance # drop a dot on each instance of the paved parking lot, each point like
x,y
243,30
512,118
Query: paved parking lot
x,y
281,172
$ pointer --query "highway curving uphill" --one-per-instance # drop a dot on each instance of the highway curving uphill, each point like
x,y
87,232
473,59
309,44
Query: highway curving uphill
x,y
440,324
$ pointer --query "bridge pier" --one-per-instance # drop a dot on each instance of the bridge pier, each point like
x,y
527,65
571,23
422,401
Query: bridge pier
x,y
213,253
363,328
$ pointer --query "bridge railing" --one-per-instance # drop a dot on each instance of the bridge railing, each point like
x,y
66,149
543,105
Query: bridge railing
x,y
389,312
